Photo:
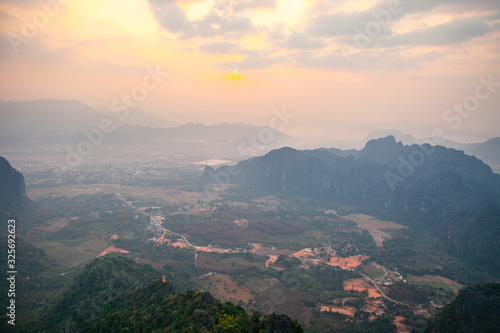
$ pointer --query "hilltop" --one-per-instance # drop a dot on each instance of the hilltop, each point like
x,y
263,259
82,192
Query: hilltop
x,y
119,295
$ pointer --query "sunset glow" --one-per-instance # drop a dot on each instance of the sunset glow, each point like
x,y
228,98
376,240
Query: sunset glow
x,y
101,47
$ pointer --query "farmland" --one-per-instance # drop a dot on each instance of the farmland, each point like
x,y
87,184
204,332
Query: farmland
x,y
262,252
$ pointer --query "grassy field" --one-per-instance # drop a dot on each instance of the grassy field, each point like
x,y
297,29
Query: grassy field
x,y
240,262
70,253
380,230
167,194
59,191
436,281
373,270
224,288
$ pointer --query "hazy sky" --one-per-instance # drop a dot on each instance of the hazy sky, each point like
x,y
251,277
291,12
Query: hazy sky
x,y
341,67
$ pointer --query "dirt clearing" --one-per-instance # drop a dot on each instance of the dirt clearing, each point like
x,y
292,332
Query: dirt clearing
x,y
361,285
347,263
347,310
111,249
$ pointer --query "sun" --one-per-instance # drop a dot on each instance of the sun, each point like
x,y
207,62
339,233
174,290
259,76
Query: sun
x,y
234,76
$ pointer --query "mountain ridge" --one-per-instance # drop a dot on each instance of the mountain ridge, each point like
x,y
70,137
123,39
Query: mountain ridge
x,y
440,188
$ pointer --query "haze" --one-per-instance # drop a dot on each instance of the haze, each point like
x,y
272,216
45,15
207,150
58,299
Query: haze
x,y
319,59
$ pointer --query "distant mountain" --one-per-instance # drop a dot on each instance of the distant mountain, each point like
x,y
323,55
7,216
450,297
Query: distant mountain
x,y
409,139
31,119
456,195
488,152
138,117
406,139
120,295
56,127
476,309
52,117
194,132
12,188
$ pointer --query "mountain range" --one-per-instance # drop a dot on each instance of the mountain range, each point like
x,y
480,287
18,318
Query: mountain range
x,y
441,189
488,151
51,126
52,117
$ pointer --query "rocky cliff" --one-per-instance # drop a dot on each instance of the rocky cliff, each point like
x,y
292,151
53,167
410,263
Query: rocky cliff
x,y
12,188
476,309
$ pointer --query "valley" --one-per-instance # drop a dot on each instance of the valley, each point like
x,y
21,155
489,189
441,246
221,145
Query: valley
x,y
250,166
263,252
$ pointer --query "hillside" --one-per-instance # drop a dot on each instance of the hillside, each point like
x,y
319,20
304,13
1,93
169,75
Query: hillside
x,y
489,152
443,190
119,295
476,309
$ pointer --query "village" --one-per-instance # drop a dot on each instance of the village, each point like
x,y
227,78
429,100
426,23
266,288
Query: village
x,y
374,281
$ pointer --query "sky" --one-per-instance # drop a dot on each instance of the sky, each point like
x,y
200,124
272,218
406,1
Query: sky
x,y
339,68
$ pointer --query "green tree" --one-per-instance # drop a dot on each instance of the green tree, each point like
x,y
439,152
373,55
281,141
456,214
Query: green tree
x,y
227,324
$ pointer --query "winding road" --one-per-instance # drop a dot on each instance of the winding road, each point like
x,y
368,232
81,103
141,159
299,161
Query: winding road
x,y
165,231
379,290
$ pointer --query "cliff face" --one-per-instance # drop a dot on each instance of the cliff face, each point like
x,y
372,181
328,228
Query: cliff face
x,y
475,309
455,194
12,188
384,176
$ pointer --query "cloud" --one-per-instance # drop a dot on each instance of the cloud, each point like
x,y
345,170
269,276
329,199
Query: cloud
x,y
256,61
35,49
385,14
341,24
5,15
457,31
219,47
213,25
321,29
301,42
169,15
361,61
411,6
240,5
173,18
21,2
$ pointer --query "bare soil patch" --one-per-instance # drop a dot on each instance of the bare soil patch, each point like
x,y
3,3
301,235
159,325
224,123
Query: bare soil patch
x,y
182,245
347,310
402,328
362,285
347,263
112,249
267,251
304,253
